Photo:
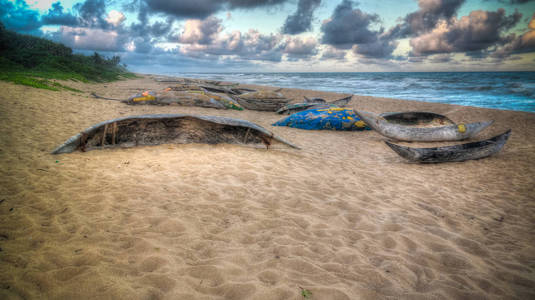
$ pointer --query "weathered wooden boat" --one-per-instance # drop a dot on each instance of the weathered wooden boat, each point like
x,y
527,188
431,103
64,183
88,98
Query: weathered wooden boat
x,y
262,100
417,118
297,107
314,100
422,134
169,129
169,79
468,151
225,99
229,90
183,98
340,102
185,87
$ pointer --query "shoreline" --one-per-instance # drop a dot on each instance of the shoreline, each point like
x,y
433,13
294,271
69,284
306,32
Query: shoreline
x,y
343,218
486,92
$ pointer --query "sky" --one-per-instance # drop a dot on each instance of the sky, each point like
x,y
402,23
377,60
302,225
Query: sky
x,y
177,36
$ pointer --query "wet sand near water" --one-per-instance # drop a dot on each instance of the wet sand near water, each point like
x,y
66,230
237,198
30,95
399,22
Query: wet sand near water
x,y
343,218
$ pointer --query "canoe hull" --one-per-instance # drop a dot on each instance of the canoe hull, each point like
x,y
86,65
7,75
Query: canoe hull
x,y
310,104
168,129
422,134
457,153
417,118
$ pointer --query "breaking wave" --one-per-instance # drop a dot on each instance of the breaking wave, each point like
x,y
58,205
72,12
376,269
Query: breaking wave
x,y
501,90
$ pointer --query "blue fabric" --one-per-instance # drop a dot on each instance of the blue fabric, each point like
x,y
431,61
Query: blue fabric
x,y
326,118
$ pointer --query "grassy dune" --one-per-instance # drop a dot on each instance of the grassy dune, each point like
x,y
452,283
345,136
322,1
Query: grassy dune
x,y
35,62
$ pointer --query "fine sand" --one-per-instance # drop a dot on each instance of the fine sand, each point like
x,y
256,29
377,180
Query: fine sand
x,y
343,218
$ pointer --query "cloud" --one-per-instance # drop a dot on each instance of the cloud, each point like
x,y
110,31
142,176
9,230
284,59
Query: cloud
x,y
251,45
333,53
185,9
521,44
94,39
56,16
201,31
475,32
92,13
298,48
201,9
19,17
115,18
382,47
516,1
252,3
348,26
301,20
429,14
440,58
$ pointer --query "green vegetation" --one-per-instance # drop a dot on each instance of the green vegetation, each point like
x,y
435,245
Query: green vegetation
x,y
306,293
34,61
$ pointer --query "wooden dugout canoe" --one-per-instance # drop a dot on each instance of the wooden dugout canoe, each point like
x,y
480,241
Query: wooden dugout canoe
x,y
421,134
310,104
262,100
168,129
468,151
417,118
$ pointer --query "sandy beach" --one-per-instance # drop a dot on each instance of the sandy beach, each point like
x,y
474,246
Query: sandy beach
x,y
343,218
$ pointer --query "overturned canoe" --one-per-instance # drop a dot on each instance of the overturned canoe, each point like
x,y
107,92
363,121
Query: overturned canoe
x,y
314,100
297,107
417,118
422,134
461,152
262,100
168,129
181,97
310,104
340,102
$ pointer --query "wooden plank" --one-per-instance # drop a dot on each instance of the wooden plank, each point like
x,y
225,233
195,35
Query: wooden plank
x,y
114,133
246,136
104,135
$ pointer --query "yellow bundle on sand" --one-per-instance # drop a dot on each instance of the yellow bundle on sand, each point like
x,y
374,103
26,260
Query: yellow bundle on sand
x,y
145,96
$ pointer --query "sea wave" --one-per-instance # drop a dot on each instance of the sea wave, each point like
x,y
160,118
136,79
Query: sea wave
x,y
501,90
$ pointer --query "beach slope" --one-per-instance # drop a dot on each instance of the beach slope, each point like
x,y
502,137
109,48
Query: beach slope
x,y
343,218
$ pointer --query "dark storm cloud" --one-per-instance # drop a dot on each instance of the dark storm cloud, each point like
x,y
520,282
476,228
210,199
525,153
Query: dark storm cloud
x,y
382,47
92,13
56,16
19,17
301,20
252,3
475,32
185,9
202,8
516,1
348,26
430,12
518,44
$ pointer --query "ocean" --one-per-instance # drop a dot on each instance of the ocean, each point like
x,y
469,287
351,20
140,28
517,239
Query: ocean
x,y
500,90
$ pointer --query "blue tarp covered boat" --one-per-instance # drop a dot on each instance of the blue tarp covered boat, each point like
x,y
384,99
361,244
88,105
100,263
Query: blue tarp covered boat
x,y
324,119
